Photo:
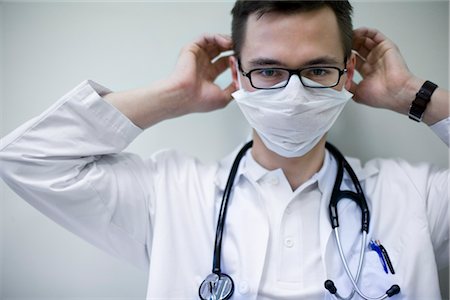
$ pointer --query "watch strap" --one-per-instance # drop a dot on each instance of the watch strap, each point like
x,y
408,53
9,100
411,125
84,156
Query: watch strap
x,y
421,101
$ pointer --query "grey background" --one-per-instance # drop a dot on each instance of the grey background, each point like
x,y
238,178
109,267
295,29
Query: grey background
x,y
47,48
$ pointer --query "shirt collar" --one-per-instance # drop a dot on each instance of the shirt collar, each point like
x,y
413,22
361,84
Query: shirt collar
x,y
254,171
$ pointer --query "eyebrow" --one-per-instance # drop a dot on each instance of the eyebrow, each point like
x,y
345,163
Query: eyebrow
x,y
264,62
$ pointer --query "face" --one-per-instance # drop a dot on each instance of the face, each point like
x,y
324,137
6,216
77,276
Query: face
x,y
293,42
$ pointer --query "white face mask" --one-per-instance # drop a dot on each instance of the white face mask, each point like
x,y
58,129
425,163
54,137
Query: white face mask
x,y
292,120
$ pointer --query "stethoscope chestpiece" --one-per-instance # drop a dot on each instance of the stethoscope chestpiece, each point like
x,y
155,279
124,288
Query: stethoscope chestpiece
x,y
216,287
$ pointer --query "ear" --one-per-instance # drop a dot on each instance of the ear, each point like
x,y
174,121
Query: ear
x,y
234,71
351,63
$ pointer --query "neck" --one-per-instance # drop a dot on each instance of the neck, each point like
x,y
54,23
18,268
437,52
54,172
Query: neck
x,y
296,169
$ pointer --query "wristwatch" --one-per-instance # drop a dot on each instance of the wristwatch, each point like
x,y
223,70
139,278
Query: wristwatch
x,y
420,103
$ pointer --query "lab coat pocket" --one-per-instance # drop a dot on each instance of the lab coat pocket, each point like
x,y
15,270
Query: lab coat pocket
x,y
375,281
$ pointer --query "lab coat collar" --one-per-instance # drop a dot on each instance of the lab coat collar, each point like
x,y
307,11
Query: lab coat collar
x,y
224,167
361,172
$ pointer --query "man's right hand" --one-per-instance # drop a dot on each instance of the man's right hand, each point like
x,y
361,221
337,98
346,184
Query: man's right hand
x,y
189,89
195,74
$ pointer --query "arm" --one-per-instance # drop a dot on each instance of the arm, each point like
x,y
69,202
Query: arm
x,y
387,82
68,162
60,163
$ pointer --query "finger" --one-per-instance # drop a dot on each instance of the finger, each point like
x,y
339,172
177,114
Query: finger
x,y
213,45
379,52
366,39
353,90
360,61
369,33
226,97
362,50
359,45
231,88
220,65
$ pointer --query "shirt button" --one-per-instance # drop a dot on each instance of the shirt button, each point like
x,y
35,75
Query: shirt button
x,y
288,210
244,288
289,242
274,181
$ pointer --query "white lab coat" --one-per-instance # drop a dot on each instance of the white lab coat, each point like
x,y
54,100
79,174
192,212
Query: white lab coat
x,y
160,214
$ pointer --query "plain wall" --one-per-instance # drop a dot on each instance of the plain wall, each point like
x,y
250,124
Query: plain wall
x,y
2,186
48,48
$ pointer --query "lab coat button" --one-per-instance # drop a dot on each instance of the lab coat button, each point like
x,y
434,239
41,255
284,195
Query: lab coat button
x,y
244,288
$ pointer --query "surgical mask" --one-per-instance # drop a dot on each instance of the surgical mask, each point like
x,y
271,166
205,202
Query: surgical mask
x,y
292,120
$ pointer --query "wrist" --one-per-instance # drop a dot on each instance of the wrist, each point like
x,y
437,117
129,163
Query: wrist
x,y
435,110
408,94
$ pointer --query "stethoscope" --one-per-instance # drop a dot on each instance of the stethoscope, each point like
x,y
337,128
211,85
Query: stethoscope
x,y
220,286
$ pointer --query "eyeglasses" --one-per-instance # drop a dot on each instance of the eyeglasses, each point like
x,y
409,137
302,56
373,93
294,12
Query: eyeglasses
x,y
278,78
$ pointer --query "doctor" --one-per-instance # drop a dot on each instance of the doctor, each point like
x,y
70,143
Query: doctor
x,y
292,75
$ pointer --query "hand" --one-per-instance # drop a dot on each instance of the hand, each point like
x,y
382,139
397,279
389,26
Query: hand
x,y
194,74
387,82
190,89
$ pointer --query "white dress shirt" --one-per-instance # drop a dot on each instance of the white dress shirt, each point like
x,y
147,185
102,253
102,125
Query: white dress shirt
x,y
160,213
290,270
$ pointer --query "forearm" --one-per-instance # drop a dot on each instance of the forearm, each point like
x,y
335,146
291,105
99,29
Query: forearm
x,y
149,105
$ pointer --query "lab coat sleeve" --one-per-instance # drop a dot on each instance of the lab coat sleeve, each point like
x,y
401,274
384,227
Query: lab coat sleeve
x,y
67,164
442,130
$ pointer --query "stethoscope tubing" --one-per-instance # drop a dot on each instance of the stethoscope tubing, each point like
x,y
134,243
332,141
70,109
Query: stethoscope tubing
x,y
360,199
223,209
344,260
337,195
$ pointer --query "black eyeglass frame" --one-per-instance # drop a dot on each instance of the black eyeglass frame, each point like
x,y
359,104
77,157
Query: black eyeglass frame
x,y
293,72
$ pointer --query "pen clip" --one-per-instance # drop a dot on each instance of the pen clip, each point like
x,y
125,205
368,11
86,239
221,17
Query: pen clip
x,y
386,257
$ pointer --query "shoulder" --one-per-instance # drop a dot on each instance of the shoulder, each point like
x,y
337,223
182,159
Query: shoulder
x,y
402,169
400,177
178,163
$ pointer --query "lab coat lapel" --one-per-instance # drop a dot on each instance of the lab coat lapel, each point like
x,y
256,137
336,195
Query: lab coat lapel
x,y
246,231
324,220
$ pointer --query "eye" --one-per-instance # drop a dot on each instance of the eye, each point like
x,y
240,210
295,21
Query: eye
x,y
268,73
319,71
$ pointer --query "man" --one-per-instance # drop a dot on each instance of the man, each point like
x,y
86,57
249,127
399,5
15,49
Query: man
x,y
278,241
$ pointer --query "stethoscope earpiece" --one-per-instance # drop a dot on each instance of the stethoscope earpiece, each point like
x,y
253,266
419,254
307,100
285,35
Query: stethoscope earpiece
x,y
329,285
394,290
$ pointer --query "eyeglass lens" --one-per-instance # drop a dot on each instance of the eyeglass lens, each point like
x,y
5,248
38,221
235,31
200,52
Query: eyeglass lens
x,y
310,77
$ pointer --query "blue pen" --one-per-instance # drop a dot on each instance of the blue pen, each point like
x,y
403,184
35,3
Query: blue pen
x,y
377,249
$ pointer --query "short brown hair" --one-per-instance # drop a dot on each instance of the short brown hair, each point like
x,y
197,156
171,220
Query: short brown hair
x,y
244,8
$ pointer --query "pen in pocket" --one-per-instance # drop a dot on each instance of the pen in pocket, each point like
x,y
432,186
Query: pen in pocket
x,y
374,246
386,257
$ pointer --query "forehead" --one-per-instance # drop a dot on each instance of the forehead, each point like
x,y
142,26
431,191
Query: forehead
x,y
292,39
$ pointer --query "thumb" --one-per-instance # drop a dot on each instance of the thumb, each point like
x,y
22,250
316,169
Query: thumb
x,y
231,88
354,90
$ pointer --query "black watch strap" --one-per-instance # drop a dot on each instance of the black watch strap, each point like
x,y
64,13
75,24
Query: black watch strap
x,y
419,104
